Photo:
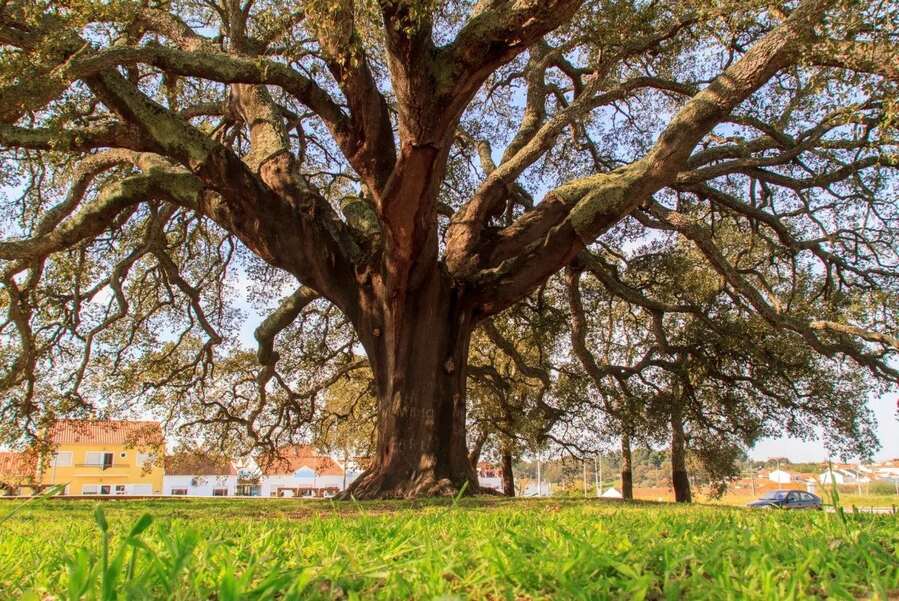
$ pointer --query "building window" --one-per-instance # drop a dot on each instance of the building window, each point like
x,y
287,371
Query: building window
x,y
120,489
89,489
98,459
219,492
248,490
105,489
62,459
179,492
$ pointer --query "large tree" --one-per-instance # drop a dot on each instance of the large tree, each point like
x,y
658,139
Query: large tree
x,y
351,150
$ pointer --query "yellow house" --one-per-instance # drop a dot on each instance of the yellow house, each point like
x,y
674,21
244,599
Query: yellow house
x,y
105,457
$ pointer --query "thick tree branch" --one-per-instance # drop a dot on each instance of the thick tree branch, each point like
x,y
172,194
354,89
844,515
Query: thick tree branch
x,y
170,184
286,313
374,155
247,204
508,347
702,238
494,34
879,58
465,233
573,215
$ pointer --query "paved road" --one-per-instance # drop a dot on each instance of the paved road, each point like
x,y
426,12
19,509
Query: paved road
x,y
854,509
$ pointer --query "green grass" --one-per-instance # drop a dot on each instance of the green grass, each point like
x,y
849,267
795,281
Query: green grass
x,y
473,548
846,499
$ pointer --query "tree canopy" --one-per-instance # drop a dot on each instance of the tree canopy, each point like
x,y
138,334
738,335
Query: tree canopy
x,y
385,177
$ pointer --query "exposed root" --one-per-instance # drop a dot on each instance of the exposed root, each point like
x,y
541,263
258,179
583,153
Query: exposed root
x,y
378,485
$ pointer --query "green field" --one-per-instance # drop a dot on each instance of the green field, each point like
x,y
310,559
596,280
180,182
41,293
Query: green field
x,y
473,548
846,500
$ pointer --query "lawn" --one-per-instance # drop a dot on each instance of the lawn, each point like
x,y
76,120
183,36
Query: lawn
x,y
846,500
473,548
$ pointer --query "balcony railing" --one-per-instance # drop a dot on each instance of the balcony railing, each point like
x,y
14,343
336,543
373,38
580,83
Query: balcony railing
x,y
103,466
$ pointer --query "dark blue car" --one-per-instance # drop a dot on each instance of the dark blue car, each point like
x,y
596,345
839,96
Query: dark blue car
x,y
787,499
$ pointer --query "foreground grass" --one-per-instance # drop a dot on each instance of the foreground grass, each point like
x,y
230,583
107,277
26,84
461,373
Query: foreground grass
x,y
846,500
479,549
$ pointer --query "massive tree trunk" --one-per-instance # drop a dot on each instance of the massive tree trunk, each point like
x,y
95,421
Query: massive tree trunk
x,y
508,476
417,345
679,478
627,473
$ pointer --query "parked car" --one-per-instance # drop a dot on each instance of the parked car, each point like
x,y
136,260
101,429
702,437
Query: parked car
x,y
787,499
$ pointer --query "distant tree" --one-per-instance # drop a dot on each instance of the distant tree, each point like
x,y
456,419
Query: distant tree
x,y
511,383
675,358
346,426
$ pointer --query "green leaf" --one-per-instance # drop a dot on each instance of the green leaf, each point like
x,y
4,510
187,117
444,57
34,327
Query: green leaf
x,y
142,523
100,518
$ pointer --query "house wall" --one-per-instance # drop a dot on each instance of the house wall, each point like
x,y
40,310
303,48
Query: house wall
x,y
199,486
831,477
124,471
779,476
269,485
491,482
545,490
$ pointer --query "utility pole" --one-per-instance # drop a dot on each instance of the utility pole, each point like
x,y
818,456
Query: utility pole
x,y
596,478
584,462
539,481
600,476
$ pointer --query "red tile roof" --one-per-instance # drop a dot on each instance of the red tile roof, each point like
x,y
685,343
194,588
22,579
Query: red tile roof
x,y
289,459
17,465
198,464
132,433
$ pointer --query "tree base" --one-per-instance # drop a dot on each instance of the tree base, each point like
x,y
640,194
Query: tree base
x,y
378,485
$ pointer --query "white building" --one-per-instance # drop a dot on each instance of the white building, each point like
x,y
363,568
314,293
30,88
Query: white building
x,y
891,474
299,471
780,476
842,476
196,475
545,489
887,470
489,476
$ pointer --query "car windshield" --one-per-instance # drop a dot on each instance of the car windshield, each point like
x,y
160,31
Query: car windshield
x,y
775,495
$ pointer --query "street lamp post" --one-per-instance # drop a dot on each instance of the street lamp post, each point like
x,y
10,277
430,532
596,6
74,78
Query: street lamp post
x,y
539,480
584,463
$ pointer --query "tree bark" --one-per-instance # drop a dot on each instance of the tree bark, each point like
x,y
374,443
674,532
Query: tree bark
x,y
474,455
679,478
508,476
627,473
417,344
